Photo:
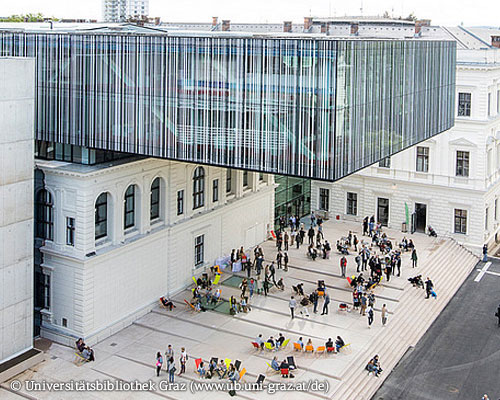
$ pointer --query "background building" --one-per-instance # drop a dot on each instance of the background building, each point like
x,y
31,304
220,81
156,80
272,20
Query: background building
x,y
121,10
17,80
450,182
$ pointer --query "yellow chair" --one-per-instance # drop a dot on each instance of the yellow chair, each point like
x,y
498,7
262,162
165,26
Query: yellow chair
x,y
309,348
217,279
195,282
297,347
268,346
285,343
242,373
320,349
345,347
270,368
227,361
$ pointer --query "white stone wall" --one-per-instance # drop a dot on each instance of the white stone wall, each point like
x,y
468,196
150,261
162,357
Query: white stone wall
x,y
439,188
17,77
102,293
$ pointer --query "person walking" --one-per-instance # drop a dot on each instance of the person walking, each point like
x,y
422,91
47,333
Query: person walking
x,y
183,360
498,315
159,363
365,226
169,353
266,285
314,299
370,317
364,302
384,315
279,257
358,262
414,257
285,261
171,369
388,271
398,264
485,252
428,287
272,272
292,304
325,304
310,235
343,265
251,287
285,241
355,242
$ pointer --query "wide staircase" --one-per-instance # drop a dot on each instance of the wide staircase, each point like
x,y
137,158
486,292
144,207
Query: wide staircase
x,y
448,269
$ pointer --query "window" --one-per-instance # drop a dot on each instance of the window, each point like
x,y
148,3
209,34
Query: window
x,y
70,231
261,176
464,102
489,105
385,162
129,209
44,215
198,188
352,203
422,159
460,221
180,202
245,178
496,209
486,218
199,248
44,287
215,190
155,199
498,101
228,181
101,216
462,163
324,197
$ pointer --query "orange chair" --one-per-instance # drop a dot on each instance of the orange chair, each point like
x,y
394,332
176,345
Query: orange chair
x,y
321,293
242,373
297,347
320,349
309,348
197,362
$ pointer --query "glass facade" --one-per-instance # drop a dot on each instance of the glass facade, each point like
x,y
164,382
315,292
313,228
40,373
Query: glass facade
x,y
309,107
292,197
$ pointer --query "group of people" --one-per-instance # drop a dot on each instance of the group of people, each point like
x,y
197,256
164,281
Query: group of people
x,y
275,344
305,301
86,352
374,366
204,290
170,362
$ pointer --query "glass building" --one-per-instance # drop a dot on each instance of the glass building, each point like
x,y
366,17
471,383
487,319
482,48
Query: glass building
x,y
313,107
292,197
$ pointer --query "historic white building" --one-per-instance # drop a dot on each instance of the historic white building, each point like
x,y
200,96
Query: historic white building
x,y
451,182
17,83
122,234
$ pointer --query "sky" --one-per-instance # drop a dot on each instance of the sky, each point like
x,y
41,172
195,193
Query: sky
x,y
441,12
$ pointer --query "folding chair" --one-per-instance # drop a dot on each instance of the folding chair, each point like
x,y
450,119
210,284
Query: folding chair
x,y
320,350
255,345
237,365
216,280
268,346
242,373
285,372
345,347
309,348
189,305
285,343
227,361
271,369
260,379
197,363
291,361
195,281
330,349
297,347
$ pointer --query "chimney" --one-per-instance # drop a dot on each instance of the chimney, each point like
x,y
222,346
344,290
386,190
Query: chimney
x,y
325,27
157,21
419,24
215,21
495,41
308,22
287,26
226,24
354,29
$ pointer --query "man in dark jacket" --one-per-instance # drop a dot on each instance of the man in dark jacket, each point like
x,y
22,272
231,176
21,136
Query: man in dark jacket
x,y
428,287
498,315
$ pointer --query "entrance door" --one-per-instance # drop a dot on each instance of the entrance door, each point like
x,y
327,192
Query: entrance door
x,y
383,211
420,217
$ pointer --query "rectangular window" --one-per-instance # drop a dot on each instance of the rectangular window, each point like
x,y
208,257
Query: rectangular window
x,y
199,248
70,231
352,204
496,209
180,202
245,178
486,218
464,104
489,104
324,197
422,159
228,181
261,176
215,190
498,101
460,221
46,291
462,163
385,162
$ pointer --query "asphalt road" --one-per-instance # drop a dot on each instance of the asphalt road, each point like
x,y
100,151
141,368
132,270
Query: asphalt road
x,y
459,356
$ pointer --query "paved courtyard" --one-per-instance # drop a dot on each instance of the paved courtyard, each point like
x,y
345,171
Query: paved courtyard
x,y
129,354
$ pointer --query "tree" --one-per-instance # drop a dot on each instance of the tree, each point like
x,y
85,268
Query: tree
x,y
411,17
38,17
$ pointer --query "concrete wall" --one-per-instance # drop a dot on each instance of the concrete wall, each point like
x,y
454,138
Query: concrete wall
x,y
98,294
17,77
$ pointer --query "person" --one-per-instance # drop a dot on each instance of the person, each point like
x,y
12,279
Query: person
x,y
428,287
309,342
339,343
222,370
233,303
272,273
80,345
365,226
313,219
271,342
304,303
384,315
280,340
285,241
292,304
280,284
310,235
259,341
485,252
167,303
233,374
251,287
329,343
485,397
285,367
388,271
300,342
169,353
183,360
159,363
358,262
364,302
88,354
314,299
279,258
285,261
414,257
370,316
325,304
498,314
343,265
212,366
300,289
266,285
201,370
274,364
355,241
171,369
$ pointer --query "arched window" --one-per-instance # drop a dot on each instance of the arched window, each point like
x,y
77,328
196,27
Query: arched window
x,y
101,216
155,199
129,209
198,188
44,215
